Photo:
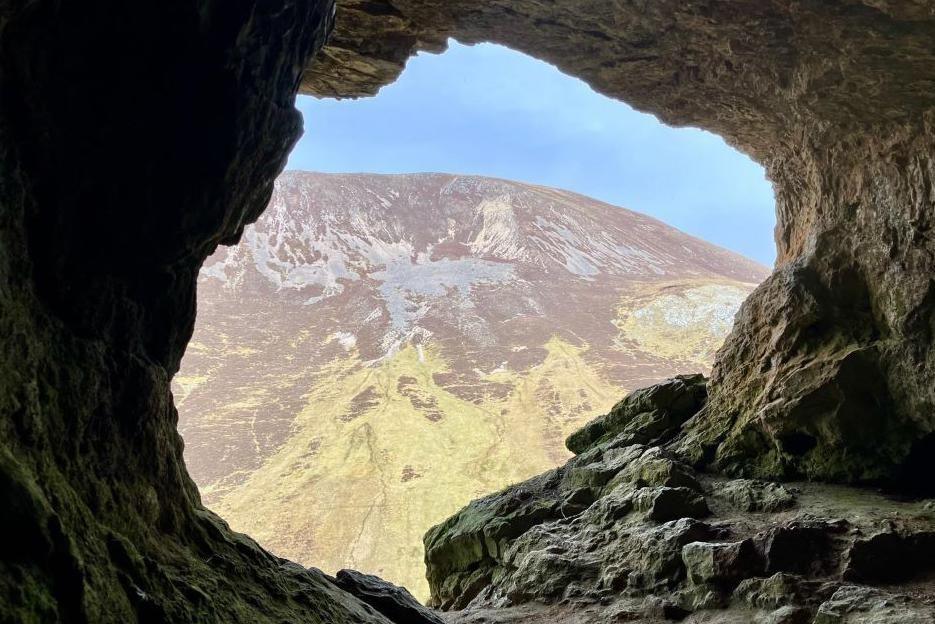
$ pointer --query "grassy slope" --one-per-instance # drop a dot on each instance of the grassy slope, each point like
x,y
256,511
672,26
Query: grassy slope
x,y
360,493
359,487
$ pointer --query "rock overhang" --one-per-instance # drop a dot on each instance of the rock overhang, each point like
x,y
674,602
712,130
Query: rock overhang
x,y
758,74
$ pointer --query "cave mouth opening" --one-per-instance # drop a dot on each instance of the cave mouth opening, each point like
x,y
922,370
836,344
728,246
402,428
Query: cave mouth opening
x,y
382,347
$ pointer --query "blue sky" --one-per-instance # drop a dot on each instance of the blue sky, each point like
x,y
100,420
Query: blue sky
x,y
488,110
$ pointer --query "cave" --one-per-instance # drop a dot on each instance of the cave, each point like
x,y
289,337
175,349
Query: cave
x,y
138,137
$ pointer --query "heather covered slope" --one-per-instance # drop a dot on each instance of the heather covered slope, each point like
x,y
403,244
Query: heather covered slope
x,y
379,350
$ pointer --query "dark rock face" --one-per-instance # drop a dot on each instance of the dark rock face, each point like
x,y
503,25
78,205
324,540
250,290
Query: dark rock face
x,y
136,137
627,532
891,556
396,603
829,371
720,563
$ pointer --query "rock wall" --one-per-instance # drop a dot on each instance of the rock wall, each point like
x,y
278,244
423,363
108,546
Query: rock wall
x,y
135,137
625,532
829,371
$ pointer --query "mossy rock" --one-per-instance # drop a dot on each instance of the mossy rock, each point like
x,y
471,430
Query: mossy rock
x,y
647,416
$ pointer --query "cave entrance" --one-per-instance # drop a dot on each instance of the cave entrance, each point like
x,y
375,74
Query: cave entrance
x,y
382,347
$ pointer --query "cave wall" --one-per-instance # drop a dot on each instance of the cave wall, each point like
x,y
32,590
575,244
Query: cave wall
x,y
829,372
134,137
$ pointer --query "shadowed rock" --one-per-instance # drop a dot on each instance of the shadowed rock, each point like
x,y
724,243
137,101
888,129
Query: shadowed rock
x,y
394,602
664,503
616,529
891,556
720,563
139,136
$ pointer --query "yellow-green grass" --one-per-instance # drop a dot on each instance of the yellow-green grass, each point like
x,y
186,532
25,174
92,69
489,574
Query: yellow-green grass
x,y
360,492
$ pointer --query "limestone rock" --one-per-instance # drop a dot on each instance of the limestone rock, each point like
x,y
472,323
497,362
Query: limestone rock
x,y
800,547
720,563
633,543
656,607
786,615
853,604
751,495
664,503
458,551
543,538
632,467
891,556
783,590
647,416
576,554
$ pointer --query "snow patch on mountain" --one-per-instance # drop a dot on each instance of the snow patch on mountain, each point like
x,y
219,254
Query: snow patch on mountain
x,y
345,339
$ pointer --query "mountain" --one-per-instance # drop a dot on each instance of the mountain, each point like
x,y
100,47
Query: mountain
x,y
379,350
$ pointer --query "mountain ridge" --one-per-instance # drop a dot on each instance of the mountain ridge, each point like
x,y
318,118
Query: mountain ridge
x,y
582,197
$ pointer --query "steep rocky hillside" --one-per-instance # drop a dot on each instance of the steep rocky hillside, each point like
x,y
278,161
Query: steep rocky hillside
x,y
379,350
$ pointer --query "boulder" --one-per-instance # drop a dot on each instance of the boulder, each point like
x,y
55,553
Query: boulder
x,y
647,416
465,549
663,504
800,547
393,602
721,564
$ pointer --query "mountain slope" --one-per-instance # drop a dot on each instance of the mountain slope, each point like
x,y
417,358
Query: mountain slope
x,y
379,350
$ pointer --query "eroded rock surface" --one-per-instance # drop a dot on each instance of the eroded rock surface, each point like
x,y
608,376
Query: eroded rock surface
x,y
627,532
135,138
392,601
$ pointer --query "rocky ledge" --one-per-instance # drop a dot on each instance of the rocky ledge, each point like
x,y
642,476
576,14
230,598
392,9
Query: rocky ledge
x,y
628,531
